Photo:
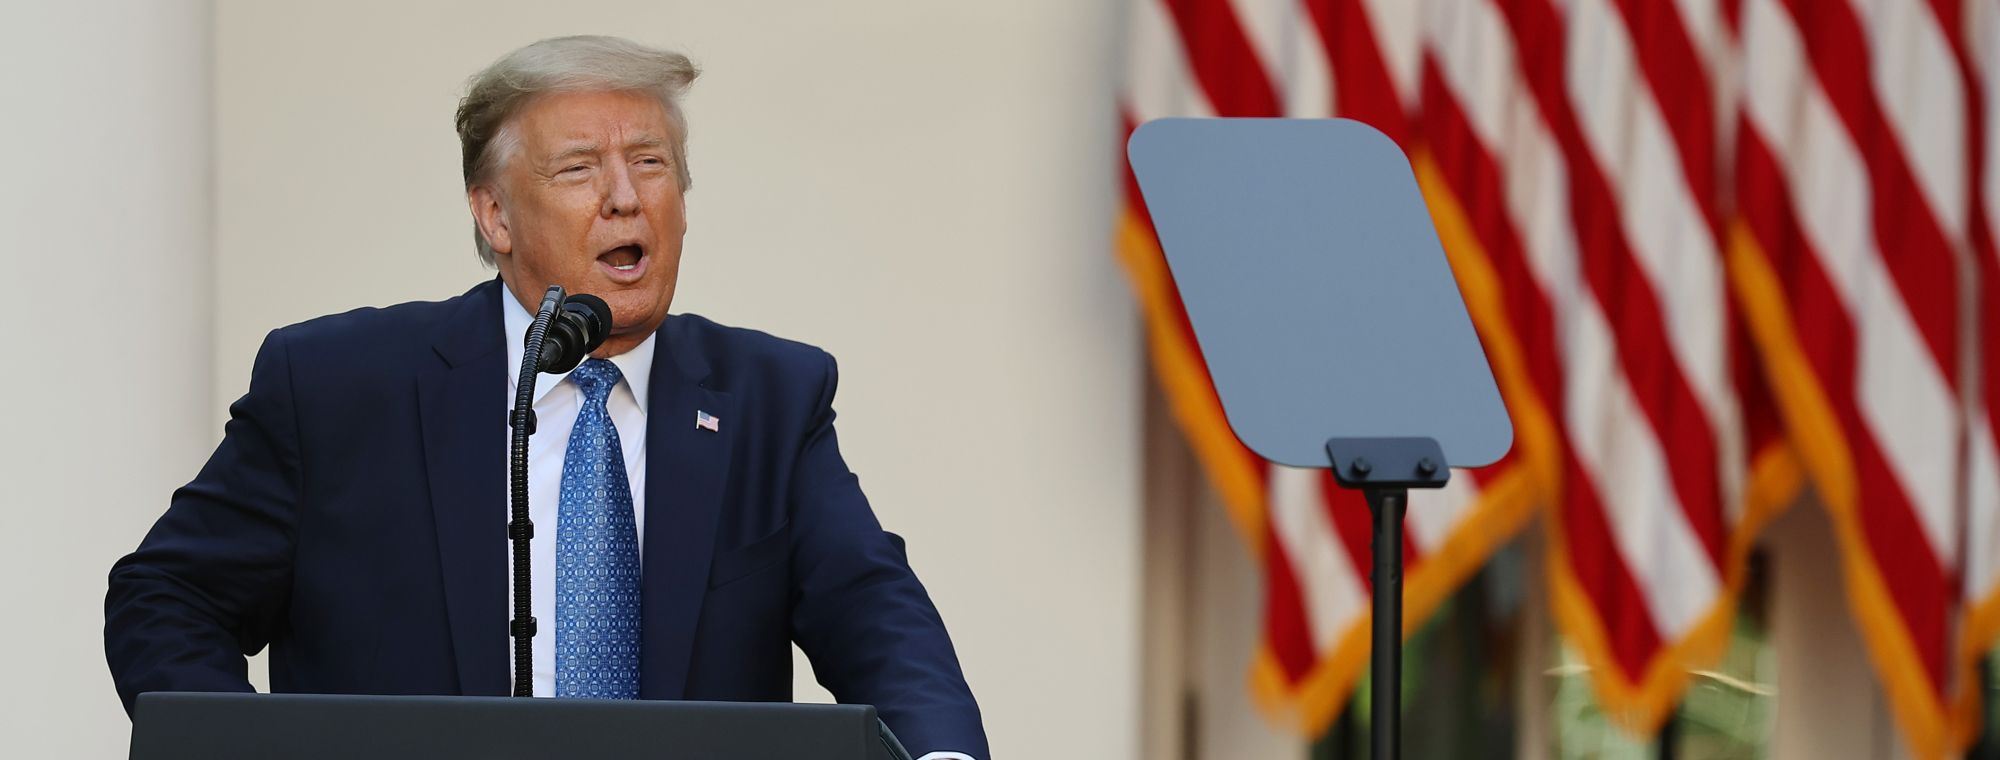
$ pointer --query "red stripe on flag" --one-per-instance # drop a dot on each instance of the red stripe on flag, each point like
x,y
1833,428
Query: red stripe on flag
x,y
1761,426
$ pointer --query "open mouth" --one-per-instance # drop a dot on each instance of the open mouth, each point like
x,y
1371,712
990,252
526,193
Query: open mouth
x,y
624,258
623,265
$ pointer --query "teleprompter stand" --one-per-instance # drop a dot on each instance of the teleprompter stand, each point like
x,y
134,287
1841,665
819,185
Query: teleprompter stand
x,y
1329,320
1384,470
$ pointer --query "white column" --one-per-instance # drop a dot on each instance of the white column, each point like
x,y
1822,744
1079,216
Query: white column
x,y
1223,635
1829,703
104,242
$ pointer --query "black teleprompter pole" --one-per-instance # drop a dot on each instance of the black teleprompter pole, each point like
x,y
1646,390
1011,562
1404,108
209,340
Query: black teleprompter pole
x,y
1384,470
1386,641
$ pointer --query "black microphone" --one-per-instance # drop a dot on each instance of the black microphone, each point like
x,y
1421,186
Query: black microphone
x,y
579,327
570,328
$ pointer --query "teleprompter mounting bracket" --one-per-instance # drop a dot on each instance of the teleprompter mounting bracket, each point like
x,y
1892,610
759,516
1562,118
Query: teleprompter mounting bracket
x,y
1373,463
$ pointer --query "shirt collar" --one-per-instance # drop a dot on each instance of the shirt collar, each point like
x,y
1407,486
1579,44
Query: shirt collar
x,y
636,365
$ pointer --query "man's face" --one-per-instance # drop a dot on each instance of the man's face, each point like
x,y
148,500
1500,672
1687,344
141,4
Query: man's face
x,y
590,200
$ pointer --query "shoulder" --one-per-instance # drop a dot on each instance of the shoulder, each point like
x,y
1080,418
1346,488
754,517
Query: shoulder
x,y
739,358
375,326
378,348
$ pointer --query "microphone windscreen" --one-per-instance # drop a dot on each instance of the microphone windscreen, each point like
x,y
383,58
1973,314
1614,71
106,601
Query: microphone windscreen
x,y
598,309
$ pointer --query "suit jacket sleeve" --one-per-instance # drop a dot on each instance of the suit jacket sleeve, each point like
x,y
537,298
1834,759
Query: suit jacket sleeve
x,y
208,584
860,614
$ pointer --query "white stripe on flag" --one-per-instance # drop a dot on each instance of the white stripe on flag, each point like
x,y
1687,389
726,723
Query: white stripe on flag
x,y
1433,513
1476,57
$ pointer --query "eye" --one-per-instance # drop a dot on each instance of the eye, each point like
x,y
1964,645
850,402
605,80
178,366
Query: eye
x,y
652,161
575,168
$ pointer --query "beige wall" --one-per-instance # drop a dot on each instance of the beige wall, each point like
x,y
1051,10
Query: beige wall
x,y
104,238
922,188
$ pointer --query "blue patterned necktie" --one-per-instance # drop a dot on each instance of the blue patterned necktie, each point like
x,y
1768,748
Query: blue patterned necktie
x,y
597,553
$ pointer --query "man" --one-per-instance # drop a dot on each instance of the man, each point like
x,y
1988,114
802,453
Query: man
x,y
353,518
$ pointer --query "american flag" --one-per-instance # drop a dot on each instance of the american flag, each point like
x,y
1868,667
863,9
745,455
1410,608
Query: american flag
x,y
1716,250
705,421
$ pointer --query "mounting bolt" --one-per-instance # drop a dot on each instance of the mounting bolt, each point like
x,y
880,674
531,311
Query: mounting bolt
x,y
1360,467
1426,467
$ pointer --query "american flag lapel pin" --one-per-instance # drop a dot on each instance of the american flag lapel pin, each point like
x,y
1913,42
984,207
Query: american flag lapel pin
x,y
705,421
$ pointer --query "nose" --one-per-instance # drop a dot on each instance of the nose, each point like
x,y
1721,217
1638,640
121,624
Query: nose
x,y
620,197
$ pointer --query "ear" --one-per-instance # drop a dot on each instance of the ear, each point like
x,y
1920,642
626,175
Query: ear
x,y
491,217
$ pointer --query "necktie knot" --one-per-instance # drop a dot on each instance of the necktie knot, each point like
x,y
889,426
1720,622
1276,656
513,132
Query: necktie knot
x,y
596,377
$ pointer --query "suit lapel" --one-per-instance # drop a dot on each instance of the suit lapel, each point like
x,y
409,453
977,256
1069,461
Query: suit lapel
x,y
686,473
463,409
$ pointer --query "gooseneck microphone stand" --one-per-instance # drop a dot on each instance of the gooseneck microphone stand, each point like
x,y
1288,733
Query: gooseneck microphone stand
x,y
520,529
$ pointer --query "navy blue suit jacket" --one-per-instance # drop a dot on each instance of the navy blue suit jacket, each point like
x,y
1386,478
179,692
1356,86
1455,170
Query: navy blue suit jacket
x,y
354,520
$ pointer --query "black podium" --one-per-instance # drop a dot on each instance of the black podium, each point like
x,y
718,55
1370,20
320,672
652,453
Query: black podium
x,y
309,727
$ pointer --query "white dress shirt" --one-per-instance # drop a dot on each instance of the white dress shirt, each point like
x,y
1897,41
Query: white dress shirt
x,y
557,402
